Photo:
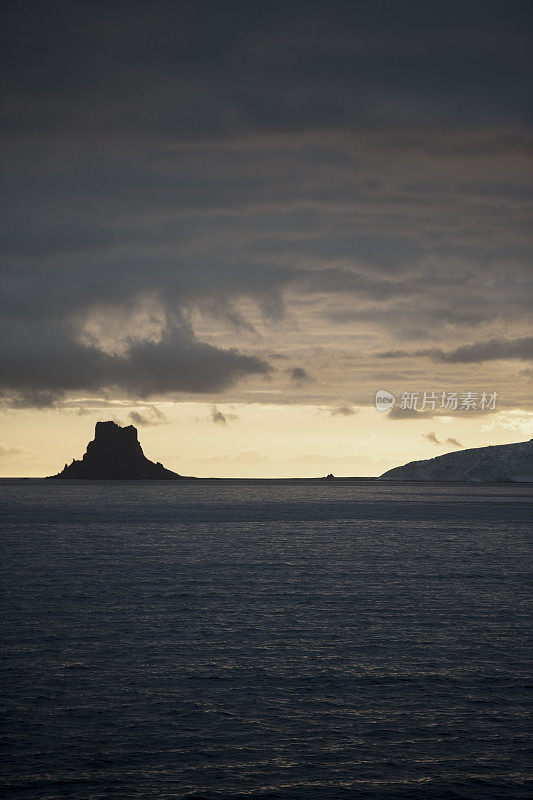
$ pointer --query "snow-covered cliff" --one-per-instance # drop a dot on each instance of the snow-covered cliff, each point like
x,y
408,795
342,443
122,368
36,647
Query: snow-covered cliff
x,y
494,464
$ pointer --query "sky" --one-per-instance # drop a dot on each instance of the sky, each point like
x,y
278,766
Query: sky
x,y
232,223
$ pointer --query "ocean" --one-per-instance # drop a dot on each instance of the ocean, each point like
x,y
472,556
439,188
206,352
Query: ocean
x,y
263,639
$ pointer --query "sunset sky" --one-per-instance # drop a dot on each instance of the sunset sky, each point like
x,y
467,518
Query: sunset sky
x,y
231,223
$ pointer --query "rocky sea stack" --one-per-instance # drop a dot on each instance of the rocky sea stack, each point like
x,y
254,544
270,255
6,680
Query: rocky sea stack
x,y
115,454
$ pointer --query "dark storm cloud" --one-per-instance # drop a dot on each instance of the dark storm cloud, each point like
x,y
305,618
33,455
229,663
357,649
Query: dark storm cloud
x,y
343,411
191,155
299,376
42,367
492,350
152,416
282,66
399,413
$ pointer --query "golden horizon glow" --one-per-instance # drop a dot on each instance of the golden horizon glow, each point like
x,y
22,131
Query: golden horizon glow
x,y
246,440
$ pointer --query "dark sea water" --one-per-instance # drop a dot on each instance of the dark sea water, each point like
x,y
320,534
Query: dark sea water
x,y
264,640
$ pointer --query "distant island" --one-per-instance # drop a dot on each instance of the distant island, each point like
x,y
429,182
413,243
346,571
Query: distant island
x,y
115,454
503,463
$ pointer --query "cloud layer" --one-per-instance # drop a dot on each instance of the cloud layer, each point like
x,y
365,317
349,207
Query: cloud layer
x,y
194,188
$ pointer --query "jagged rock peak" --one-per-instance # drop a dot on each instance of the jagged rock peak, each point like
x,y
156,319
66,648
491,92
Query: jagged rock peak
x,y
115,453
110,430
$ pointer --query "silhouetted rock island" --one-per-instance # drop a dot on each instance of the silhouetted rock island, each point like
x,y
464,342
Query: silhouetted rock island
x,y
115,454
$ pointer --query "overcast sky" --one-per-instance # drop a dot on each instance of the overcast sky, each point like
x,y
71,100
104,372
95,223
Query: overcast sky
x,y
286,204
